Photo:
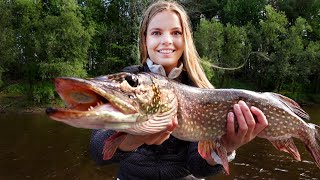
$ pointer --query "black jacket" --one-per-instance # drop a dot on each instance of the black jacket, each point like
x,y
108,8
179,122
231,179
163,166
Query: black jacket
x,y
173,159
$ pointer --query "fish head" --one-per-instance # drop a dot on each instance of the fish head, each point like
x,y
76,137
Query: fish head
x,y
139,104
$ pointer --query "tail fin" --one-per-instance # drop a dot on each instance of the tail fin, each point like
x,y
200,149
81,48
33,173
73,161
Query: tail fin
x,y
313,146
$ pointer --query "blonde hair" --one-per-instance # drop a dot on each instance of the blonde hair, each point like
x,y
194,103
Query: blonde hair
x,y
191,59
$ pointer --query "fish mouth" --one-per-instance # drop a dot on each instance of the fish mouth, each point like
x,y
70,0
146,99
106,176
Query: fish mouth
x,y
99,102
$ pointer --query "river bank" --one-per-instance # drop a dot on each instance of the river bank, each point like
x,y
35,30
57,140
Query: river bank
x,y
21,104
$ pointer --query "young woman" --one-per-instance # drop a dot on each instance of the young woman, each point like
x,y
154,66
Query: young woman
x,y
166,47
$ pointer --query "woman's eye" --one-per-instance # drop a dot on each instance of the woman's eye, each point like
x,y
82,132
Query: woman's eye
x,y
177,33
155,33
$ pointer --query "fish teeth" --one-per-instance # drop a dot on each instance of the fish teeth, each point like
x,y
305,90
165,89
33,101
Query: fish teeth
x,y
99,103
90,108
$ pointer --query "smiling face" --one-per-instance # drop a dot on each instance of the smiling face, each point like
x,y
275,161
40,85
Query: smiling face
x,y
164,40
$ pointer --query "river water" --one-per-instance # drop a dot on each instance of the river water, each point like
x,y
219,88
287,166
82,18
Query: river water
x,y
34,147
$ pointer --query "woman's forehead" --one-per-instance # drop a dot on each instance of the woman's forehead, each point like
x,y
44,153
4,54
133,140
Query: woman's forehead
x,y
165,19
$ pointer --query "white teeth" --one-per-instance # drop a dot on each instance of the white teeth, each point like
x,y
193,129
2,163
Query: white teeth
x,y
90,108
166,51
98,104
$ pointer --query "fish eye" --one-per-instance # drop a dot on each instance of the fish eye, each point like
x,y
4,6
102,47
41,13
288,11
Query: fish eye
x,y
132,80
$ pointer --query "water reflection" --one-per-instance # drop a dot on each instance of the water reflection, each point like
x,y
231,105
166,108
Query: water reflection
x,y
34,147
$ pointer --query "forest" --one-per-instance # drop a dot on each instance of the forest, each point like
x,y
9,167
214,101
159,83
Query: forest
x,y
277,41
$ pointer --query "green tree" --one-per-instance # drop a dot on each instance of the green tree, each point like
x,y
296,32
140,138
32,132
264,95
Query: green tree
x,y
209,39
241,12
115,44
64,40
313,54
43,39
8,52
307,9
274,30
26,22
49,40
198,9
294,48
222,46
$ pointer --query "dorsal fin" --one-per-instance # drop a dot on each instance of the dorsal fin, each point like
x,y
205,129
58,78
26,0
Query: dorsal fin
x,y
293,106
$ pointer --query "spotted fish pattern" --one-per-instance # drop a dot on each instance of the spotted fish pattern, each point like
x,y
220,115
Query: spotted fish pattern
x,y
146,103
202,117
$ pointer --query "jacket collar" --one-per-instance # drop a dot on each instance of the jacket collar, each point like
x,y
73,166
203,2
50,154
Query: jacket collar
x,y
156,68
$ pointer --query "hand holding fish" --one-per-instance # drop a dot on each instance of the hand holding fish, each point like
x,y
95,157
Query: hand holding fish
x,y
249,127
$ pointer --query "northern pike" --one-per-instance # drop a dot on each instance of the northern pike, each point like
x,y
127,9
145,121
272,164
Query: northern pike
x,y
145,103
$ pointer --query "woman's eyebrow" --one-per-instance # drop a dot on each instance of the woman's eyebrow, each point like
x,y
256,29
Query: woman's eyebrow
x,y
159,29
177,28
155,29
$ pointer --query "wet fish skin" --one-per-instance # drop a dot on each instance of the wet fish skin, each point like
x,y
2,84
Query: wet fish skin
x,y
202,117
152,101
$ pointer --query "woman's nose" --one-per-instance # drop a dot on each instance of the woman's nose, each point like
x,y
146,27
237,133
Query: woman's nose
x,y
166,39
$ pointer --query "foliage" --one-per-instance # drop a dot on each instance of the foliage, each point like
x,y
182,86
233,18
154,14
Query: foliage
x,y
15,89
280,54
49,41
43,93
241,12
278,40
222,46
115,44
209,39
206,64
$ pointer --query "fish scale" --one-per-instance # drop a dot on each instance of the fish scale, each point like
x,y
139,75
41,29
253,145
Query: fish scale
x,y
146,103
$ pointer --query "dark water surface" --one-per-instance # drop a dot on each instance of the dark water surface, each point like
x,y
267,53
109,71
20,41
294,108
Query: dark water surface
x,y
34,147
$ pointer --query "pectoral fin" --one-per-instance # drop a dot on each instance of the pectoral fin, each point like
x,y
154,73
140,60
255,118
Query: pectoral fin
x,y
205,148
112,143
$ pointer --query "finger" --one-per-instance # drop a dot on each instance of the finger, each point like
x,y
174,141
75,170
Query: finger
x,y
262,122
248,117
242,129
158,138
175,121
151,139
161,138
230,124
174,124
